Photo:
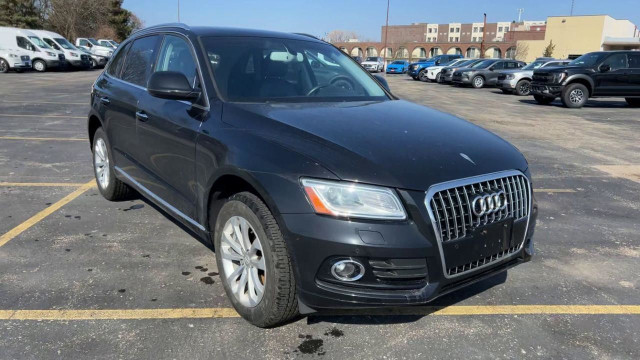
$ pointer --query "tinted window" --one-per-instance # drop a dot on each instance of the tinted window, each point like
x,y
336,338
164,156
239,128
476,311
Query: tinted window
x,y
498,66
24,43
84,42
616,61
139,60
272,69
65,44
512,65
115,68
634,60
175,55
590,59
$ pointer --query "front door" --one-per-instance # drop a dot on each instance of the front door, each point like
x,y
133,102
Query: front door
x,y
492,76
167,131
612,81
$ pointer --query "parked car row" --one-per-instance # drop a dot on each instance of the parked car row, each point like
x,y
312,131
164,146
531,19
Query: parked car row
x,y
42,50
597,74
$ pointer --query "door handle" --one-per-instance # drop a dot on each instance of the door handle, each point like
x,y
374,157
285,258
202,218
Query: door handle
x,y
142,116
105,100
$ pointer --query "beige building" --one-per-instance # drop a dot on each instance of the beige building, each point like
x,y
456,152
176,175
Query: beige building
x,y
577,35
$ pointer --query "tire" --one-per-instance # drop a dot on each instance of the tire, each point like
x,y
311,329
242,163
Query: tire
x,y
633,102
523,88
415,78
543,100
4,66
438,77
39,66
92,64
278,303
422,76
477,82
574,96
112,189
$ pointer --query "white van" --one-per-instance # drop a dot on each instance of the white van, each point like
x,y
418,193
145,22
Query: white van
x,y
14,59
94,47
108,43
42,55
73,55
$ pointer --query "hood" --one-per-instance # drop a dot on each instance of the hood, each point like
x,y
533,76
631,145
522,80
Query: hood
x,y
561,69
436,67
392,143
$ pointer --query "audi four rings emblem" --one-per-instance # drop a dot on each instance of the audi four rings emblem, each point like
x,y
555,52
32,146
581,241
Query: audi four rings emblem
x,y
488,204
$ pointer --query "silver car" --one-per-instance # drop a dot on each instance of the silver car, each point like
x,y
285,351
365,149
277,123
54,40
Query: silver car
x,y
519,80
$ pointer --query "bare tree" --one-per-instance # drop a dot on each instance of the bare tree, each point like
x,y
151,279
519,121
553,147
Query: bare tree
x,y
76,18
340,36
522,50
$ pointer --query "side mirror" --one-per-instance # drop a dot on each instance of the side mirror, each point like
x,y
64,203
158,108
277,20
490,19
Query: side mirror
x,y
171,85
90,45
605,68
382,82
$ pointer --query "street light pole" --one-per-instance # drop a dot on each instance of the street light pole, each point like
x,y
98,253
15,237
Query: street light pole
x,y
386,33
484,36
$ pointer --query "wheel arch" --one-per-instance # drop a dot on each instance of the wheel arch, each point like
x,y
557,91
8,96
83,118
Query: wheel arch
x,y
584,80
93,123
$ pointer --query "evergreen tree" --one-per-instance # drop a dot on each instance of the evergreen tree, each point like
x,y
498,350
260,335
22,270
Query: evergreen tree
x,y
120,19
21,13
548,51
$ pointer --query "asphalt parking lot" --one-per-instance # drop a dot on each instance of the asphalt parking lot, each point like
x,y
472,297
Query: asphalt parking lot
x,y
81,277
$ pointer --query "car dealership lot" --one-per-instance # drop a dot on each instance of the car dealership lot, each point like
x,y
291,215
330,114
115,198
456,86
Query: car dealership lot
x,y
81,277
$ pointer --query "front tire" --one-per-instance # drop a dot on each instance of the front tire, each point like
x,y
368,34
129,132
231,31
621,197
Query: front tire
x,y
253,262
438,77
575,96
422,76
543,100
92,64
523,88
103,167
477,82
4,66
39,66
633,102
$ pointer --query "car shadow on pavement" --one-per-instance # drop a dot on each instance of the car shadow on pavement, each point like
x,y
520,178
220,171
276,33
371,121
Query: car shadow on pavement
x,y
408,314
592,103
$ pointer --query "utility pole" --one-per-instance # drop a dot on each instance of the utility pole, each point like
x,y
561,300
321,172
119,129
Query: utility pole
x,y
573,2
178,10
520,11
484,36
386,33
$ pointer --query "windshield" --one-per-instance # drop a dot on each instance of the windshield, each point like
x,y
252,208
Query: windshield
x,y
38,42
93,41
590,59
106,44
253,69
398,62
483,64
534,65
371,58
65,44
466,63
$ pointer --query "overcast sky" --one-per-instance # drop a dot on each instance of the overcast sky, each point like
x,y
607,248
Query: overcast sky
x,y
365,17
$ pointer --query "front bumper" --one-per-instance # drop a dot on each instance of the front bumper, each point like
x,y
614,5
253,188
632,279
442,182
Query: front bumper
x,y
315,239
414,72
507,84
395,70
546,90
371,67
52,63
21,64
79,63
464,80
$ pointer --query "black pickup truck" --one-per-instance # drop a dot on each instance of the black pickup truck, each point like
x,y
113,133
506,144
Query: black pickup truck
x,y
596,74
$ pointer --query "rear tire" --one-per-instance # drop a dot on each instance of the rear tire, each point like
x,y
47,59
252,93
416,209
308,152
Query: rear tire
x,y
633,102
543,100
438,77
103,168
278,302
477,82
523,88
575,96
39,66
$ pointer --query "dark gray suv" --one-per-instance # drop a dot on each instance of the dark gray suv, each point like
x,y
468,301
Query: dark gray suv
x,y
484,73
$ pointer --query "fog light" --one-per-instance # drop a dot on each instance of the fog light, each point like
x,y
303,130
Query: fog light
x,y
347,270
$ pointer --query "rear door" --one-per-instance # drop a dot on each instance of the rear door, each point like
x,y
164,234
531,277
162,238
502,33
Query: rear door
x,y
614,81
167,131
633,79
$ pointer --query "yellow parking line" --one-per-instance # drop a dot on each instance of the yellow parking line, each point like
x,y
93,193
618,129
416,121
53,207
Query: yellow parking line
x,y
554,190
39,138
44,116
201,313
39,184
44,213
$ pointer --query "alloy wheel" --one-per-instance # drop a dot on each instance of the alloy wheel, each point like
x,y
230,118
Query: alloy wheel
x,y
101,163
525,88
243,261
576,96
4,67
478,82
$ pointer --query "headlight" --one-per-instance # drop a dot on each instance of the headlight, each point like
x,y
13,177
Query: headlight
x,y
50,53
13,55
557,78
348,199
510,77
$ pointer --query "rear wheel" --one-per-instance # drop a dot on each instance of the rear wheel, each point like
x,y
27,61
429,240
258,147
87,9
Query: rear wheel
x,y
523,87
634,102
543,100
39,65
253,262
108,185
422,75
575,95
478,82
4,66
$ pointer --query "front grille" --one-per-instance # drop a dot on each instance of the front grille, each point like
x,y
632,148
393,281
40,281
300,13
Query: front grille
x,y
480,262
453,214
61,57
541,77
457,75
24,57
502,77
84,57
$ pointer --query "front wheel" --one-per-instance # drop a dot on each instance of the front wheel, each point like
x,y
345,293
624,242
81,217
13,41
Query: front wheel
x,y
543,100
575,95
633,102
415,78
438,77
253,262
4,66
92,64
39,66
523,88
422,76
478,82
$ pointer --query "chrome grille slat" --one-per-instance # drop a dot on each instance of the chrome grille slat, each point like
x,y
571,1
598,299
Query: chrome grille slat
x,y
453,214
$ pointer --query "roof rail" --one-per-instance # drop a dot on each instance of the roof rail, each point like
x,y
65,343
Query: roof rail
x,y
173,25
308,35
